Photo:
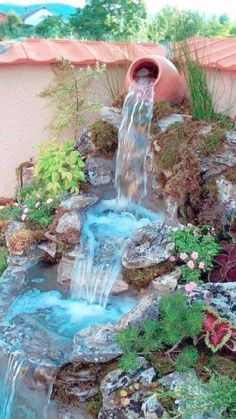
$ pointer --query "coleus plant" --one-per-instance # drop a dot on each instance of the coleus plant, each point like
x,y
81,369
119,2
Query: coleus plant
x,y
218,332
224,269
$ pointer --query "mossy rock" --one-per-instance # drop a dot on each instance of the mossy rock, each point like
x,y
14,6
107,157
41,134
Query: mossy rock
x,y
230,175
105,137
142,277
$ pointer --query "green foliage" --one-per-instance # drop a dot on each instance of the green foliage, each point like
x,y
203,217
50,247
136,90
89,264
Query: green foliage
x,y
59,168
94,405
115,19
194,246
178,320
186,359
200,97
212,141
104,136
11,212
3,259
72,96
53,27
218,395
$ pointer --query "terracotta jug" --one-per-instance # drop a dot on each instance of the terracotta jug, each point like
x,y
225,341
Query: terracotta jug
x,y
168,85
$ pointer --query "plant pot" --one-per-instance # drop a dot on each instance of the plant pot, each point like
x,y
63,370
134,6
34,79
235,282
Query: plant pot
x,y
168,85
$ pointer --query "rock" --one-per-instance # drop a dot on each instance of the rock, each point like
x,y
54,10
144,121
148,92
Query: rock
x,y
147,308
166,283
11,283
50,248
64,270
171,380
165,123
12,228
84,142
205,129
222,296
79,202
119,286
227,192
152,408
224,159
148,246
111,115
96,343
99,171
68,228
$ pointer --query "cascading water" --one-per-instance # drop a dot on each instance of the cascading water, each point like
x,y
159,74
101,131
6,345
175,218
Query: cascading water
x,y
110,223
14,367
131,177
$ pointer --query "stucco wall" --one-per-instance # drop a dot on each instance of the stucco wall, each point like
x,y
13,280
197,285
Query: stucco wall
x,y
222,85
24,116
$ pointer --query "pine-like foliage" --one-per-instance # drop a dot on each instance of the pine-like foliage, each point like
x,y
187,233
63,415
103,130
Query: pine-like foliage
x,y
178,320
186,359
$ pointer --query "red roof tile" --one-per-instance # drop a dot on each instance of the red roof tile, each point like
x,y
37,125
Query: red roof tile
x,y
45,51
214,52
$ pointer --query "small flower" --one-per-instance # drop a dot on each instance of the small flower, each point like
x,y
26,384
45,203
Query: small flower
x,y
191,286
49,201
24,217
16,204
195,232
172,259
201,265
26,210
183,256
189,225
191,264
194,255
37,205
38,195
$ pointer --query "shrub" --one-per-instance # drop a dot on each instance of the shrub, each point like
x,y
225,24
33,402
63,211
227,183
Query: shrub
x,y
59,168
178,321
3,259
197,398
11,212
186,359
224,269
195,247
39,210
104,136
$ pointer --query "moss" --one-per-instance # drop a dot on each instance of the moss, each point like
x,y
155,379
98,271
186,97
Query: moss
x,y
142,277
212,142
230,175
3,259
94,405
105,137
162,363
22,240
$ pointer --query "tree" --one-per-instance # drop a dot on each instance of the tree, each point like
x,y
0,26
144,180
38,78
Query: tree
x,y
108,19
53,27
172,24
13,28
218,26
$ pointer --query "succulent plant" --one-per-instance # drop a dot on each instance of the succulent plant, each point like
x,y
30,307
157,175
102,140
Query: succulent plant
x,y
224,269
218,332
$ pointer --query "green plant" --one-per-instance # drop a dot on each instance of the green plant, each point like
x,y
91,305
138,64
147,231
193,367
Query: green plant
x,y
104,136
211,142
94,405
72,96
178,321
186,359
11,212
3,259
218,395
59,168
195,247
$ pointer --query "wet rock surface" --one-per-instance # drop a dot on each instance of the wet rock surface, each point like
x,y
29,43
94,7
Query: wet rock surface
x,y
111,115
146,308
11,283
96,343
79,202
148,246
64,270
99,171
165,123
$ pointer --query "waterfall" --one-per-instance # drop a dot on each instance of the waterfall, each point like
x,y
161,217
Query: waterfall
x,y
131,177
110,223
14,368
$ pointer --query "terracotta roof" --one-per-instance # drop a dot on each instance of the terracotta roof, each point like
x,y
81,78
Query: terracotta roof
x,y
45,51
214,52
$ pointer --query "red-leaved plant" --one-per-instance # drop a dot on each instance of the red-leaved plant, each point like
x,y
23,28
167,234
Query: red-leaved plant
x,y
218,332
224,269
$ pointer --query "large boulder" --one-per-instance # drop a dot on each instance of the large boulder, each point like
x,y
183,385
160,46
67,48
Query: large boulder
x,y
99,171
68,227
226,192
148,246
12,228
79,202
166,123
96,343
112,115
